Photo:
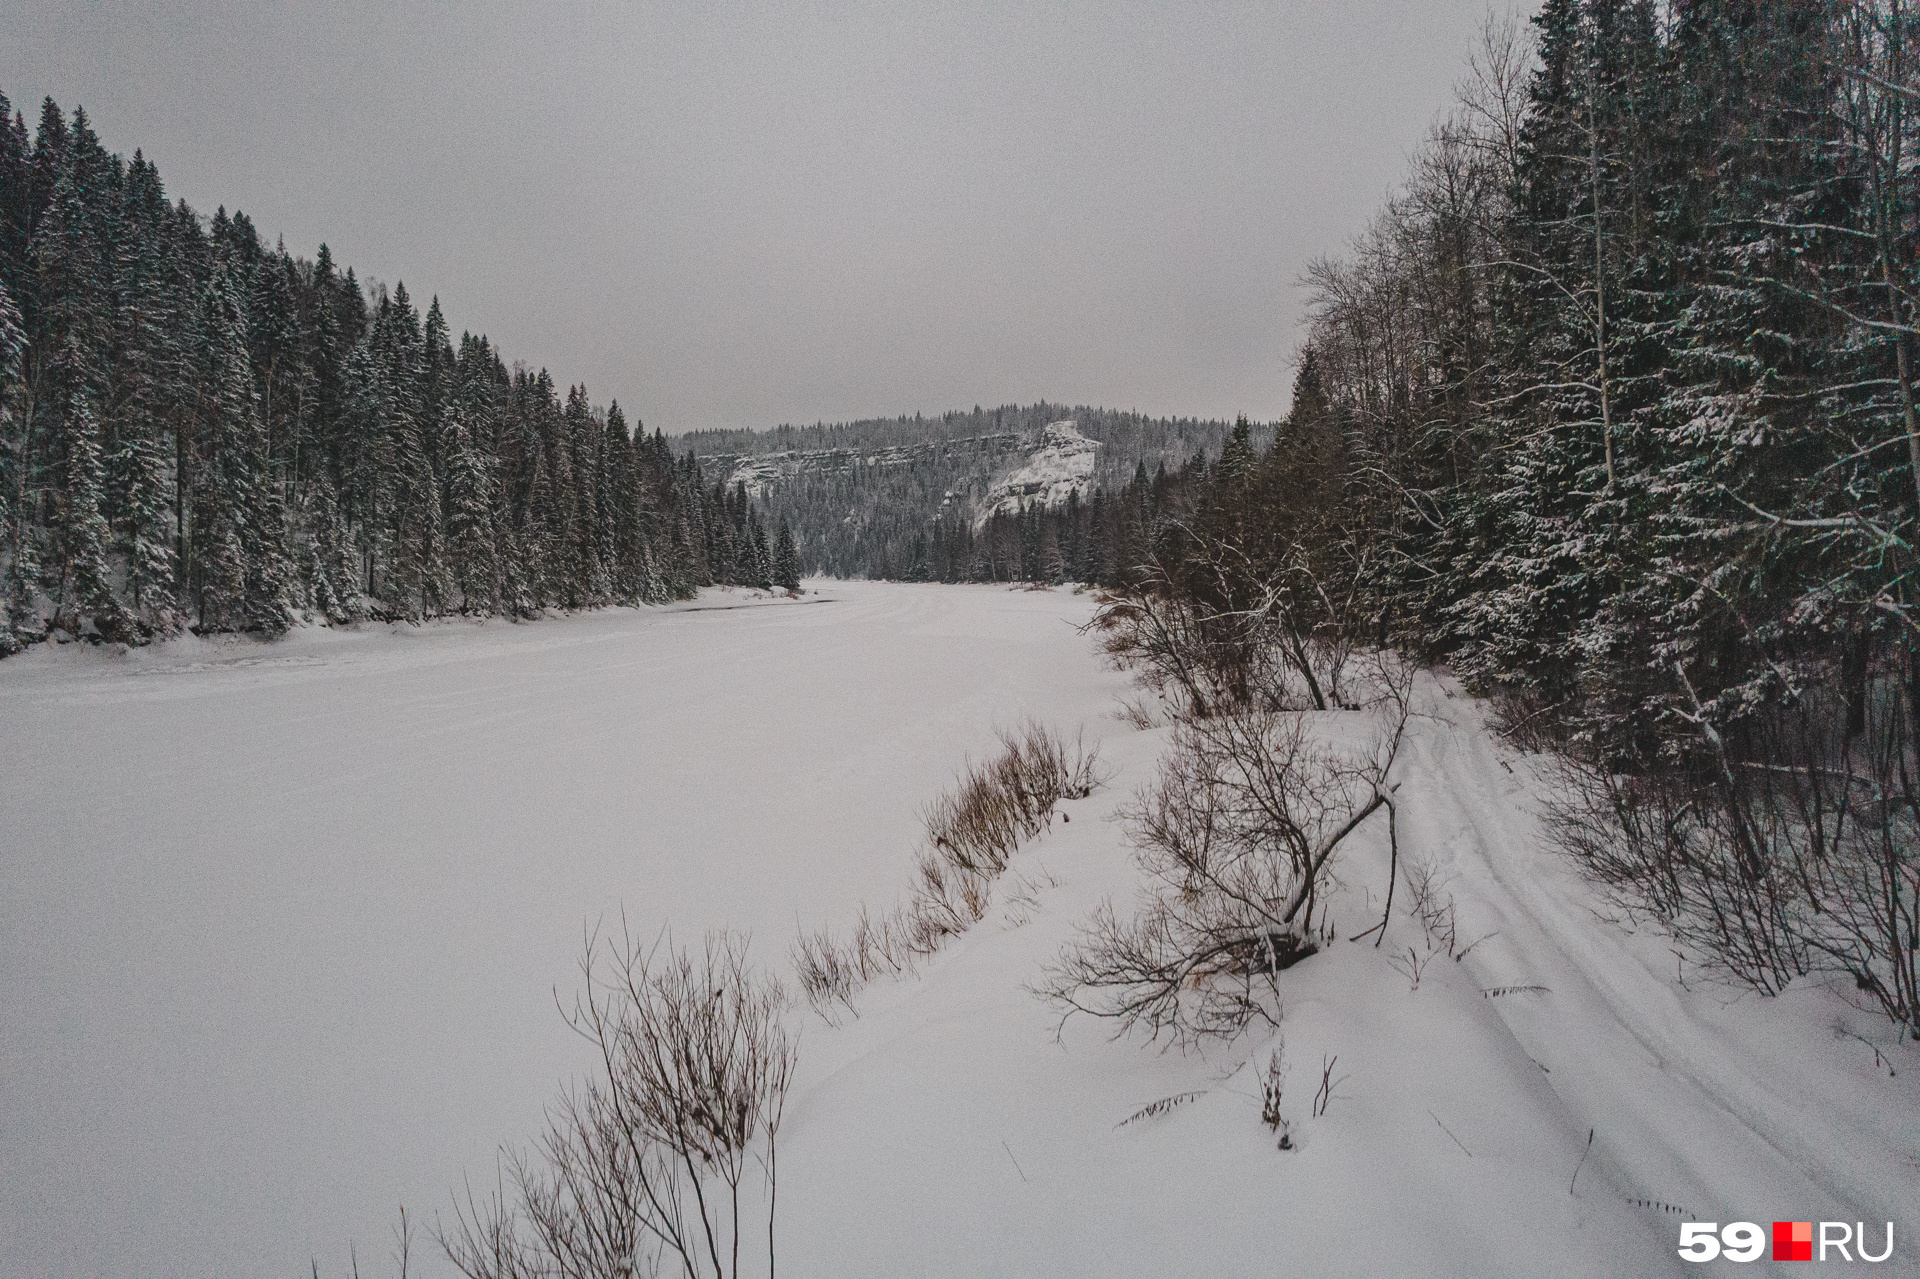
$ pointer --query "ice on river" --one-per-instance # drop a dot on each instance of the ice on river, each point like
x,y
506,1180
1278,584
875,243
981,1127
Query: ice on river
x,y
280,924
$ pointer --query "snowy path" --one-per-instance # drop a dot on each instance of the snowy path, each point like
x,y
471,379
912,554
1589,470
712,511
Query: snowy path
x,y
946,1132
1734,1108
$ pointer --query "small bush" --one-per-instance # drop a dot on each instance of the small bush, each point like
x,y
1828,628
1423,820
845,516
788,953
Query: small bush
x,y
972,833
1772,840
643,1165
1009,799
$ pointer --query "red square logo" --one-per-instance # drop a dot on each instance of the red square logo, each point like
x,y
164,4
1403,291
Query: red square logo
x,y
1793,1241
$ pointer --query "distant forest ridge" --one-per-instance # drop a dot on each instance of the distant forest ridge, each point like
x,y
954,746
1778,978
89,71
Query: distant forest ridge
x,y
1015,493
1127,438
883,432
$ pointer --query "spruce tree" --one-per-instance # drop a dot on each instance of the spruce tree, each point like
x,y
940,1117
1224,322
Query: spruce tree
x,y
622,522
16,167
239,523
16,533
786,560
85,591
470,528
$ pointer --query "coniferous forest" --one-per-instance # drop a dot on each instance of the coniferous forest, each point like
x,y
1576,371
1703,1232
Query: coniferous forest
x,y
197,430
1613,410
911,499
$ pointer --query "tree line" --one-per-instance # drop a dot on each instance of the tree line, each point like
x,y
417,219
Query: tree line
x,y
896,498
200,431
1612,409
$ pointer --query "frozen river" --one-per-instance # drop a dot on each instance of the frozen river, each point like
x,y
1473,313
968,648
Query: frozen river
x,y
280,924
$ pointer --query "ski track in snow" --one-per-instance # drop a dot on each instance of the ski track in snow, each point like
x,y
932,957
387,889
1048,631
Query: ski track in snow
x,y
281,927
1699,1123
1451,1148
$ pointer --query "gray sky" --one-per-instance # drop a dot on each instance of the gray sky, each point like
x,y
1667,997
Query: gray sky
x,y
726,215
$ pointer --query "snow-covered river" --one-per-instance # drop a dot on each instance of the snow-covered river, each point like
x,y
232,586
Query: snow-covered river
x,y
280,924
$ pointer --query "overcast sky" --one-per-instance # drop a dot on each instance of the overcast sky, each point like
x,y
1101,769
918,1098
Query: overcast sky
x,y
734,216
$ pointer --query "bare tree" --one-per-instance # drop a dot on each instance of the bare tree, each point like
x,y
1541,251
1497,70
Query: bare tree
x,y
1235,837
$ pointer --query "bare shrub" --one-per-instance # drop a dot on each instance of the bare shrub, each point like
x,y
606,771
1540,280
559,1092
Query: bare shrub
x,y
826,970
1411,964
1328,1084
1432,907
1154,1109
1530,721
1166,643
1656,849
1022,896
1772,843
1222,618
1138,713
1272,1083
1206,658
1008,799
972,832
877,946
1234,837
642,1167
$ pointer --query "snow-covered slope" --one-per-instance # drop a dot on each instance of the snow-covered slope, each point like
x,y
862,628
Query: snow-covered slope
x,y
762,472
280,928
1059,465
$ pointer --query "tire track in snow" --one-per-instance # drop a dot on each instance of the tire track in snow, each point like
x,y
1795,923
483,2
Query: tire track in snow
x,y
1701,1115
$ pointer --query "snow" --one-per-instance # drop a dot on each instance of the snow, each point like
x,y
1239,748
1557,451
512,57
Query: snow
x,y
1450,1147
280,924
280,927
1061,464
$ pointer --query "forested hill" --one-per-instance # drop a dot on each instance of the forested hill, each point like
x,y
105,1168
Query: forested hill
x,y
199,430
1013,493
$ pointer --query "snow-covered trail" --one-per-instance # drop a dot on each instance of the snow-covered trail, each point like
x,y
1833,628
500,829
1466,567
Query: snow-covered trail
x,y
1724,1104
947,1131
280,924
